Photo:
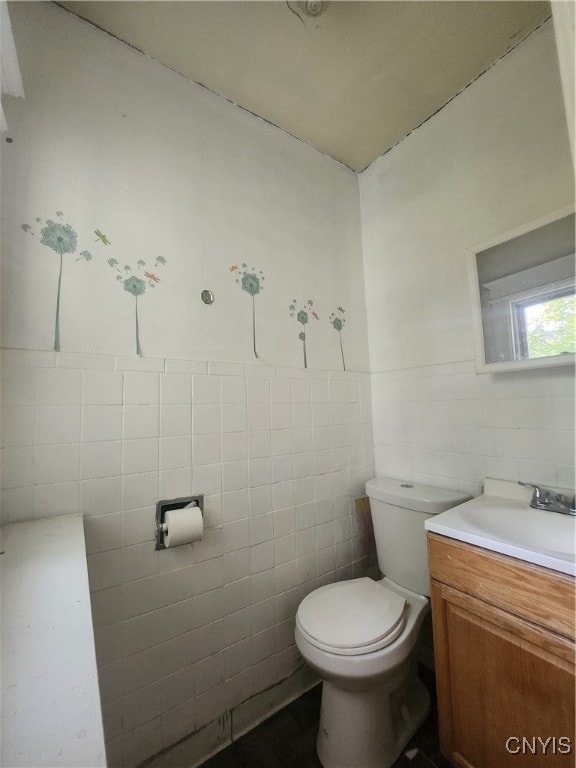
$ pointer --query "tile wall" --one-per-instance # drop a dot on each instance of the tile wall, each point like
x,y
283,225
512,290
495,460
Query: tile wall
x,y
183,636
448,426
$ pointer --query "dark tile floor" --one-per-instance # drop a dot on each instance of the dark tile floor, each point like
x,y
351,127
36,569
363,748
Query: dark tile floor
x,y
288,740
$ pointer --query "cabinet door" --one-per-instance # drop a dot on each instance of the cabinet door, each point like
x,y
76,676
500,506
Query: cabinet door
x,y
505,686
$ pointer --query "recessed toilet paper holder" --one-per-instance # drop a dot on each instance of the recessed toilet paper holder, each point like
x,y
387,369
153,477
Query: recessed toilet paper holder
x,y
164,506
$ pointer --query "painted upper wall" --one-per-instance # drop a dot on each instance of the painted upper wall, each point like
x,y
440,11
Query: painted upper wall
x,y
124,148
494,158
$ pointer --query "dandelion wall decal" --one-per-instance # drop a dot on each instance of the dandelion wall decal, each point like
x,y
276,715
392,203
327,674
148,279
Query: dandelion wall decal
x,y
302,316
136,287
251,282
338,324
62,239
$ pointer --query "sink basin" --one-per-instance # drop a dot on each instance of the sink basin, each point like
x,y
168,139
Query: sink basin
x,y
510,526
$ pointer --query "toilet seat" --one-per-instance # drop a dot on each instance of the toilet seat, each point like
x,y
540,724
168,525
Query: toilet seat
x,y
351,618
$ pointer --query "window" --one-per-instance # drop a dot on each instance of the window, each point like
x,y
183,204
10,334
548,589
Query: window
x,y
544,324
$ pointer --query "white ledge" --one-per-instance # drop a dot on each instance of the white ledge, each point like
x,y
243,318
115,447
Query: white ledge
x,y
50,701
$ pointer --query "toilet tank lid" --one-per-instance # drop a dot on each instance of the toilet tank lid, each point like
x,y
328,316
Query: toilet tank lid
x,y
422,498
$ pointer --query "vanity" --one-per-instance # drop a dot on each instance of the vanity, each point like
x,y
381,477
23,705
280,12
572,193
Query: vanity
x,y
503,617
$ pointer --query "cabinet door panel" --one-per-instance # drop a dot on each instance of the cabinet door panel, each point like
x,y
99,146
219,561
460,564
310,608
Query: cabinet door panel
x,y
504,693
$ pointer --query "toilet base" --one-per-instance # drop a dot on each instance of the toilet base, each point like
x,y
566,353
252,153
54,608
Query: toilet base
x,y
370,728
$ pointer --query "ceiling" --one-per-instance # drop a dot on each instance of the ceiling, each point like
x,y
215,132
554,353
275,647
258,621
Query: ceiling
x,y
350,82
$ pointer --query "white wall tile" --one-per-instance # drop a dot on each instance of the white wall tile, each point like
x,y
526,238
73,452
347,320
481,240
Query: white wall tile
x,y
284,522
261,589
281,416
101,459
101,422
206,449
101,496
234,417
281,442
303,490
206,389
301,415
237,658
56,463
17,428
280,391
258,417
237,626
103,388
58,387
208,607
258,391
236,565
236,535
225,369
141,388
260,472
175,420
140,421
115,567
261,528
206,419
140,490
233,389
303,439
260,500
208,478
85,361
186,366
57,424
56,499
103,533
320,392
235,505
234,446
282,468
173,483
138,526
16,504
139,456
175,389
259,444
213,513
301,391
175,452
236,595
283,495
261,557
18,386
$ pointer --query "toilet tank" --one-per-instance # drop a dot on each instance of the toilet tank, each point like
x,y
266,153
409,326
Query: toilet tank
x,y
399,509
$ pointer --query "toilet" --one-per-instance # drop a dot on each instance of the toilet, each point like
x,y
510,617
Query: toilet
x,y
361,635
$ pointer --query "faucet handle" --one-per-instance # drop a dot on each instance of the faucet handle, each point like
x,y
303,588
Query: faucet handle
x,y
537,489
540,496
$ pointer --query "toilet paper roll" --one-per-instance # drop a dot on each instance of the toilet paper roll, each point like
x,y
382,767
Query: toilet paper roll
x,y
183,526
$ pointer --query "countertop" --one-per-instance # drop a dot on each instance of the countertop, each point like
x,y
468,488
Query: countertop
x,y
50,700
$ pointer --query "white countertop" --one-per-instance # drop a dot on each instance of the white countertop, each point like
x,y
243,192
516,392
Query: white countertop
x,y
502,520
50,701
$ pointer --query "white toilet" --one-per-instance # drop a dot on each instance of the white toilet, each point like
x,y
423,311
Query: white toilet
x,y
361,635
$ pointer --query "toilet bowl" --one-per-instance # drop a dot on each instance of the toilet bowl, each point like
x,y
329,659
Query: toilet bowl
x,y
361,636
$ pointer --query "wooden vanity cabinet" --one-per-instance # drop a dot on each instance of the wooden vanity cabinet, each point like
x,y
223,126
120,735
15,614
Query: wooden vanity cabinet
x,y
504,645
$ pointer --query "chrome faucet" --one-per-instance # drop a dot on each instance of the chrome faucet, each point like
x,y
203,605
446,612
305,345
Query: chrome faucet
x,y
544,498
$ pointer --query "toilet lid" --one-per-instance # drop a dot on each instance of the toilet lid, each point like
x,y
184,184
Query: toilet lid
x,y
352,617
